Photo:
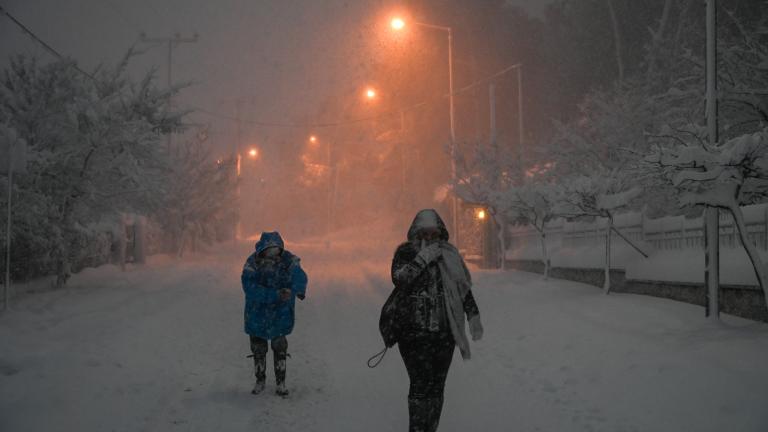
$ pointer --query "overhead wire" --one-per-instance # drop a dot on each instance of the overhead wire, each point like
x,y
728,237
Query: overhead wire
x,y
264,123
49,48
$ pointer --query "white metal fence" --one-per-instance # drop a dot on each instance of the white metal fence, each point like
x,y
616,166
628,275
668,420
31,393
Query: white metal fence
x,y
671,232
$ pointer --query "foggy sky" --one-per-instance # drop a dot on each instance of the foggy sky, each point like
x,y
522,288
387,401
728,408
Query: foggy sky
x,y
283,57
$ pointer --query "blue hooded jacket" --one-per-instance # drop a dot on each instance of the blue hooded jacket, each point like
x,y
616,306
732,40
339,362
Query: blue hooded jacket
x,y
266,315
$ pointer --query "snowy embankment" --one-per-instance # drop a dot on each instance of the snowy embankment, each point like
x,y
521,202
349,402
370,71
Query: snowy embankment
x,y
161,348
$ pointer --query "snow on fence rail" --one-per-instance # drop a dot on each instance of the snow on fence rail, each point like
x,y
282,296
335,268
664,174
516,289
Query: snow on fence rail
x,y
670,232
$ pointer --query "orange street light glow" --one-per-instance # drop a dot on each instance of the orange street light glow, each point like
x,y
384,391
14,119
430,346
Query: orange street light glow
x,y
481,214
253,153
397,23
370,93
313,139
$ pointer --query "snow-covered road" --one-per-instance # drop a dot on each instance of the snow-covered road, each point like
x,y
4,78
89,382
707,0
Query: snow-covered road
x,y
161,348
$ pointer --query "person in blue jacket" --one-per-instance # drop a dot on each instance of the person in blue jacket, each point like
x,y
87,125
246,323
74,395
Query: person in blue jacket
x,y
272,279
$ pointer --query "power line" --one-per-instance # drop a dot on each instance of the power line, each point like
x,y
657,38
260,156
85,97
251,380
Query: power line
x,y
49,48
306,125
358,120
58,55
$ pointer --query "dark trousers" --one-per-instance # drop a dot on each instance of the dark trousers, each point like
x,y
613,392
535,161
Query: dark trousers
x,y
427,358
279,353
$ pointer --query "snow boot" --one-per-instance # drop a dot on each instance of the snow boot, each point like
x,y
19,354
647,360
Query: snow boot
x,y
281,391
260,367
280,357
258,387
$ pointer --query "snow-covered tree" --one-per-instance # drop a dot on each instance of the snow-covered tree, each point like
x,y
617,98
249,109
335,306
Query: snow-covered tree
x,y
728,174
725,176
479,180
201,196
532,204
93,152
601,194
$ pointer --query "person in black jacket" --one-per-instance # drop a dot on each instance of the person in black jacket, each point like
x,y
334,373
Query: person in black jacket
x,y
436,296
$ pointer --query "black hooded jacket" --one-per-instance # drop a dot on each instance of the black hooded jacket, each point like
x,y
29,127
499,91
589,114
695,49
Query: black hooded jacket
x,y
421,311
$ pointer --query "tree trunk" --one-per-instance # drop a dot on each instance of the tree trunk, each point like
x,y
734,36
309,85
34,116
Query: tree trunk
x,y
544,252
121,244
761,269
63,271
139,250
182,242
712,261
616,39
608,230
63,265
62,252
501,244
657,38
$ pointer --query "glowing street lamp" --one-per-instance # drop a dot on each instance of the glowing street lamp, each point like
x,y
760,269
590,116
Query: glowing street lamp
x,y
253,153
370,93
480,214
313,139
397,23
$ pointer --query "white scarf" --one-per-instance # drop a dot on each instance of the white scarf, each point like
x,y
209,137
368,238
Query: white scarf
x,y
456,284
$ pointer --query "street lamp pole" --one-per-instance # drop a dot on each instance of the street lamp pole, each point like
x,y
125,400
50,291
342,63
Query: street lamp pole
x,y
454,200
520,130
329,216
712,214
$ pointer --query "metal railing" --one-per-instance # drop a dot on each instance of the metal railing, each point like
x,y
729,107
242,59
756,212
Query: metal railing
x,y
670,232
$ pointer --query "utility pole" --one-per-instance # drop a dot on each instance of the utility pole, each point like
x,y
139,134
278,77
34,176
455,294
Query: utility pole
x,y
172,41
488,224
455,201
492,101
520,129
711,214
329,215
238,166
403,157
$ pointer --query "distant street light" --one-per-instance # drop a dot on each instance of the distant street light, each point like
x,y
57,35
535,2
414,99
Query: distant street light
x,y
397,23
370,93
313,139
253,153
480,214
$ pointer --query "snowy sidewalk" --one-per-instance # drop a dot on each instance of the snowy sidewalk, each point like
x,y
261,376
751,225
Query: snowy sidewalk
x,y
161,348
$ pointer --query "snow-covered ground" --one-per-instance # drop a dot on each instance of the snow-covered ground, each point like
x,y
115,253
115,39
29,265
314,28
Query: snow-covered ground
x,y
161,348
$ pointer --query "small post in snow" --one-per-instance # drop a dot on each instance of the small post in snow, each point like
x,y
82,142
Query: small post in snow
x,y
15,151
7,287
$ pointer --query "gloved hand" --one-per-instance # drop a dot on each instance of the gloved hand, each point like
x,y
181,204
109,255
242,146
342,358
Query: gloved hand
x,y
285,294
430,253
476,328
